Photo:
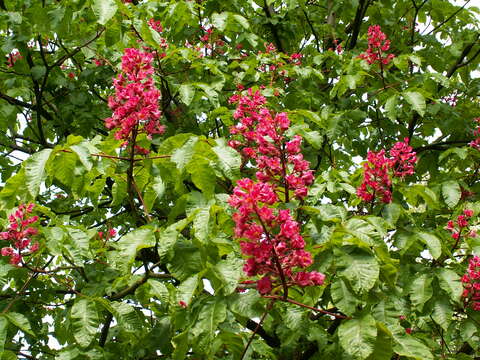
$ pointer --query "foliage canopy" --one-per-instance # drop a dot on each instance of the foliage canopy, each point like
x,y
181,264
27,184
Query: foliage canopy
x,y
168,282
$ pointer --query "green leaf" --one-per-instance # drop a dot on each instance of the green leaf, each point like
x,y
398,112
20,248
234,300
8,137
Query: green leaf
x,y
83,152
450,283
442,313
412,348
451,192
201,223
3,333
84,320
416,100
183,155
433,244
186,289
130,244
343,297
242,21
230,272
357,336
392,212
35,170
187,92
391,107
159,290
168,237
38,72
126,316
360,269
20,321
421,290
104,10
158,186
203,176
219,21
383,344
229,160
211,315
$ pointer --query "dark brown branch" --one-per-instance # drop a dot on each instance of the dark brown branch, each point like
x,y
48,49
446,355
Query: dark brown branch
x,y
77,49
440,145
268,12
447,19
314,33
463,55
18,148
105,328
281,298
257,328
272,341
357,23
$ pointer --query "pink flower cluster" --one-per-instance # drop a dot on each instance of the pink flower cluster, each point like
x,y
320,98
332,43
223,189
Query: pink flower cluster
x,y
476,143
207,35
459,226
402,159
19,234
471,284
377,181
135,104
377,46
262,139
13,57
270,237
155,25
109,234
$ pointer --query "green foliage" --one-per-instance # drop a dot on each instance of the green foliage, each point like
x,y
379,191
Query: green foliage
x,y
169,284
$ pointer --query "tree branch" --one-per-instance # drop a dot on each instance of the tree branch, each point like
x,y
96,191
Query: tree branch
x,y
357,23
268,12
463,55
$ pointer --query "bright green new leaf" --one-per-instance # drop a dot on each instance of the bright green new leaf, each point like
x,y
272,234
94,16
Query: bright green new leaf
x,y
104,10
416,100
451,193
35,171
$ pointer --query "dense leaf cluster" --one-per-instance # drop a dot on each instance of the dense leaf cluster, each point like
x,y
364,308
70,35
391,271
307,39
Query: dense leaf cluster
x,y
168,283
